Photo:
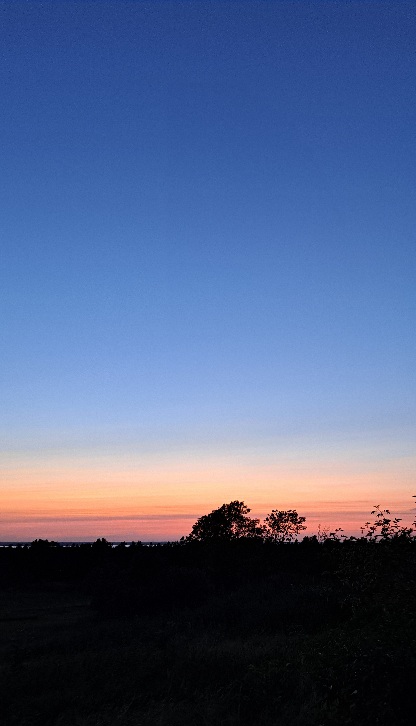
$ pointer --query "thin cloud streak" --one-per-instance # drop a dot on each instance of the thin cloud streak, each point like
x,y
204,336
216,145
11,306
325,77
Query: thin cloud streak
x,y
35,518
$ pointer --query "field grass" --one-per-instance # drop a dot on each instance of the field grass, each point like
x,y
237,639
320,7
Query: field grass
x,y
297,650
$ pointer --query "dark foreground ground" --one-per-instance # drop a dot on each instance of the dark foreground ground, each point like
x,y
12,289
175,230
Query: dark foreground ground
x,y
242,634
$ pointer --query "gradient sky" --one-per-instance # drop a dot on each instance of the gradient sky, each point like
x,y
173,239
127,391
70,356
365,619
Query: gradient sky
x,y
208,263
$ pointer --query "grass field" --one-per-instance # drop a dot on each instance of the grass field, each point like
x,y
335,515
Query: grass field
x,y
273,650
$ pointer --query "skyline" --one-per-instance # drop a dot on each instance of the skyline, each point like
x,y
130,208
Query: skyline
x,y
208,264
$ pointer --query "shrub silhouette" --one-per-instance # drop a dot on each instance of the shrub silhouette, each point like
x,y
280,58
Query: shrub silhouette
x,y
385,526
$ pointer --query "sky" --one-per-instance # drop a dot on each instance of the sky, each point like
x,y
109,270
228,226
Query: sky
x,y
207,264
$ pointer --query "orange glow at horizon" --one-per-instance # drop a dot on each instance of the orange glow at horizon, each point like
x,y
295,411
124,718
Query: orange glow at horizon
x,y
65,501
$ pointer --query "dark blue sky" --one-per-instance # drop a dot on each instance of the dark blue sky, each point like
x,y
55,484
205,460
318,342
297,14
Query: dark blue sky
x,y
207,221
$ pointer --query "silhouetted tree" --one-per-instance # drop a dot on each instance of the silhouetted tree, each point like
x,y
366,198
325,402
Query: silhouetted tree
x,y
43,544
101,544
228,522
283,525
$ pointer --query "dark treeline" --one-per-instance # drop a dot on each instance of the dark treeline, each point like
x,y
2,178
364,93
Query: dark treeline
x,y
224,549
241,615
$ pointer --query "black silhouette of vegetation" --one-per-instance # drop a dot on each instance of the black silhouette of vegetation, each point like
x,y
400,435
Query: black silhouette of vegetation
x,y
227,523
239,624
283,526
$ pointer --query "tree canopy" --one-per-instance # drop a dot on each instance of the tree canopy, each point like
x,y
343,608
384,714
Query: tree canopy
x,y
228,522
231,521
283,525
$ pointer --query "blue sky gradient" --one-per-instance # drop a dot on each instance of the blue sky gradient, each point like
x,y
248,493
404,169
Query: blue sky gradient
x,y
208,231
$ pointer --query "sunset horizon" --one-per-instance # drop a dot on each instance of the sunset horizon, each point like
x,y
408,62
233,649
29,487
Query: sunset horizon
x,y
208,265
